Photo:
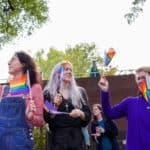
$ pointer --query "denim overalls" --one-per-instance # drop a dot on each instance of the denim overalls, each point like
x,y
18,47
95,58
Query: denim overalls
x,y
15,133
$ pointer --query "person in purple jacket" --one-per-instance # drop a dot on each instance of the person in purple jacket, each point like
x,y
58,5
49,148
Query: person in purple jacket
x,y
135,109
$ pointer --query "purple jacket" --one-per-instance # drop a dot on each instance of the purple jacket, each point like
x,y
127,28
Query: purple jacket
x,y
138,116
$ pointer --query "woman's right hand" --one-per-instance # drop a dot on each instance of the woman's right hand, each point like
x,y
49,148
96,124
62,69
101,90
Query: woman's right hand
x,y
57,99
103,84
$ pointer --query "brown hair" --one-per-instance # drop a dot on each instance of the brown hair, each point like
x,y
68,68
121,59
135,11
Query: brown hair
x,y
99,106
30,65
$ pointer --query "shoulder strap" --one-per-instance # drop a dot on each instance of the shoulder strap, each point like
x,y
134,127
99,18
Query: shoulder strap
x,y
5,91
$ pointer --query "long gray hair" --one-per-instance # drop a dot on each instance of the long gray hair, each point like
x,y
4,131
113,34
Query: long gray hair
x,y
55,84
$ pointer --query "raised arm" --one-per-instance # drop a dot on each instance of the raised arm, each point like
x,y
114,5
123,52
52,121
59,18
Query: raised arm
x,y
111,112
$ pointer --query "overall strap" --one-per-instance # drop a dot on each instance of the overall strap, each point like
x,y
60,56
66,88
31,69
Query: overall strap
x,y
6,90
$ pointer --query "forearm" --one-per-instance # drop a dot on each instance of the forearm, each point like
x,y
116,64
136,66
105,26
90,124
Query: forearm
x,y
113,112
37,96
105,103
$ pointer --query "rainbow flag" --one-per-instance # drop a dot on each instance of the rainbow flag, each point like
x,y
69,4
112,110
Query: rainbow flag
x,y
48,107
145,91
61,72
108,56
19,86
62,69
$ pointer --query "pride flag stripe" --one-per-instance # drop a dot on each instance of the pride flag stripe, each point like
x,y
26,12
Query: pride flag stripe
x,y
19,86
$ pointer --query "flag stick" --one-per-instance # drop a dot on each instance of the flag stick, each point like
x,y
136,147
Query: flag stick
x,y
29,84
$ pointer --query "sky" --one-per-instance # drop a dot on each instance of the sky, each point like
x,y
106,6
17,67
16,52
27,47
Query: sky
x,y
89,21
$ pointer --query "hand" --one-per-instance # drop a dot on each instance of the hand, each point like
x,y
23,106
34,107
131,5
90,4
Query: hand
x,y
57,99
103,84
30,109
77,113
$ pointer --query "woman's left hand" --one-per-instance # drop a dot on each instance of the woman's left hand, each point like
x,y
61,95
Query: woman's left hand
x,y
31,106
30,109
77,113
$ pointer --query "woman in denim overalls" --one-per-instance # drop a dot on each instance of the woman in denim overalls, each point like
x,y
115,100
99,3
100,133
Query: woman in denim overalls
x,y
20,112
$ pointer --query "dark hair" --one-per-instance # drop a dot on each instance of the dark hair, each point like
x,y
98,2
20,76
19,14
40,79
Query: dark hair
x,y
30,65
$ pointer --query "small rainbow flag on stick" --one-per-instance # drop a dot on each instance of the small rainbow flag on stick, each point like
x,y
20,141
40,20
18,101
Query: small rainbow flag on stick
x,y
48,107
145,91
61,72
19,86
62,69
28,83
108,56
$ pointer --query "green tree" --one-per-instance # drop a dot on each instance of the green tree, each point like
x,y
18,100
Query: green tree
x,y
136,9
109,70
20,18
81,56
46,61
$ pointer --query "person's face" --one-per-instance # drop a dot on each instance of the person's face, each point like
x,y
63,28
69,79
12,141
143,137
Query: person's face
x,y
15,66
139,77
67,76
96,111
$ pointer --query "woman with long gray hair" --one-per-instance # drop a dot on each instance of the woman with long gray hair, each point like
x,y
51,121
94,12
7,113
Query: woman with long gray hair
x,y
66,96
